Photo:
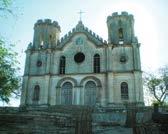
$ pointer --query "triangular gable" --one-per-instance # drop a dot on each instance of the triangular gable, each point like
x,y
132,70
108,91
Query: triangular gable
x,y
80,28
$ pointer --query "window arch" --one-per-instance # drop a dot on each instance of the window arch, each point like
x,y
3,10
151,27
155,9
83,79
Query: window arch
x,y
124,91
62,65
66,93
120,33
96,63
90,93
36,93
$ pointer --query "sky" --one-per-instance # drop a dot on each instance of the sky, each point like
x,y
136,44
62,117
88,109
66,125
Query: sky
x,y
150,23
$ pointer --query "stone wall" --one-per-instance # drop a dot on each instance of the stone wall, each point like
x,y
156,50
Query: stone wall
x,y
51,120
151,128
71,120
119,120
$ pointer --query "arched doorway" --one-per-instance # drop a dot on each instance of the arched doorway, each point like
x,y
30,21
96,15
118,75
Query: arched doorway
x,y
90,93
66,93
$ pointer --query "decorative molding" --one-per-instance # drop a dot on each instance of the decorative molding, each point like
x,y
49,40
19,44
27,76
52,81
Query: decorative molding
x,y
98,82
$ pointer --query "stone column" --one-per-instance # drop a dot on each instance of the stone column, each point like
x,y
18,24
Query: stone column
x,y
82,93
77,95
74,99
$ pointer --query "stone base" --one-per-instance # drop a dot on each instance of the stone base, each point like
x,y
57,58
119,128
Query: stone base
x,y
66,119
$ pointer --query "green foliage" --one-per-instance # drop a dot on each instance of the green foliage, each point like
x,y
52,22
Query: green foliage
x,y
158,85
5,6
9,9
9,79
5,3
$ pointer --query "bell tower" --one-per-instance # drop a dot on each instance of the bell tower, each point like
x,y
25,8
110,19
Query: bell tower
x,y
46,34
120,28
124,58
121,36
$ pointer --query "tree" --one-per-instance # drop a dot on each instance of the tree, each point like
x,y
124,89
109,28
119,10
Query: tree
x,y
9,77
6,7
158,84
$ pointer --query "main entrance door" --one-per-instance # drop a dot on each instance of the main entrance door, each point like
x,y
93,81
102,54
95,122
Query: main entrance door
x,y
90,93
66,93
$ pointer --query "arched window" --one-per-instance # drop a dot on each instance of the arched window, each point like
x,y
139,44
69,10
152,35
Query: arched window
x,y
124,91
66,93
42,43
62,65
90,93
50,37
96,63
36,94
120,33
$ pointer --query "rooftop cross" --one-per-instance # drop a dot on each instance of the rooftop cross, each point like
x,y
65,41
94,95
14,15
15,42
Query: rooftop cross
x,y
80,13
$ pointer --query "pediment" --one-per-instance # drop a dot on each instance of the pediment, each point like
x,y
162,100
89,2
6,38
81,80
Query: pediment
x,y
80,28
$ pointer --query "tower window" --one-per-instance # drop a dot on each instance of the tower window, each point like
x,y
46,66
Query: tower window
x,y
120,33
124,91
50,37
96,63
62,64
42,44
123,59
41,39
39,63
36,94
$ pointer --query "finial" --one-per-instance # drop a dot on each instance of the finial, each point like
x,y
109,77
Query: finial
x,y
80,15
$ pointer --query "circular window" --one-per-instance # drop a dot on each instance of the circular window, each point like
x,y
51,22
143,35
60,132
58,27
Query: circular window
x,y
79,57
39,63
123,59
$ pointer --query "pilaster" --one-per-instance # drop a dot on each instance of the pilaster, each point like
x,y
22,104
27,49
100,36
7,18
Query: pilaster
x,y
44,92
138,86
23,100
58,95
111,88
48,54
27,63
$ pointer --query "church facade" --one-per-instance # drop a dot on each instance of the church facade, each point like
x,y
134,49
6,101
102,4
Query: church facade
x,y
81,68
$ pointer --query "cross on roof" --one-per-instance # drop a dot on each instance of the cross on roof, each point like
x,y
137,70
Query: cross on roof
x,y
80,15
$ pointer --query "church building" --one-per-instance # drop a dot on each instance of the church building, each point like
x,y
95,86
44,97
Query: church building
x,y
81,68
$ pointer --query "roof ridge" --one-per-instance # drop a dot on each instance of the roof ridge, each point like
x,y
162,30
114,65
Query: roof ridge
x,y
81,28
